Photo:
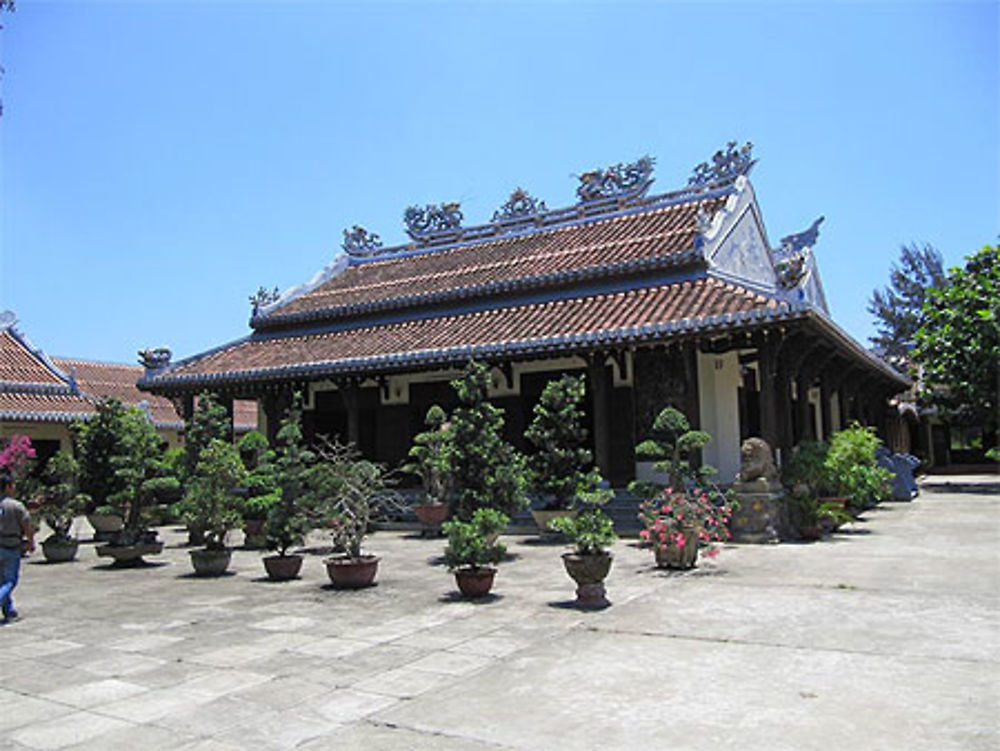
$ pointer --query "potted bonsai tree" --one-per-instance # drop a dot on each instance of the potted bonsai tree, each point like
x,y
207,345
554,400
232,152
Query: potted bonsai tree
x,y
61,504
95,441
471,555
262,492
431,459
558,467
488,471
671,447
142,480
347,490
208,422
591,532
851,469
288,520
212,505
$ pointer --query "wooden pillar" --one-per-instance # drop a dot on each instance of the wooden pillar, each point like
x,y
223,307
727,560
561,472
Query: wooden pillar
x,y
350,392
802,383
826,418
597,375
275,405
767,365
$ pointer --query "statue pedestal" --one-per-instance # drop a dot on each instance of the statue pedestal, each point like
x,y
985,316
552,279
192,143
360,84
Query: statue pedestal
x,y
758,518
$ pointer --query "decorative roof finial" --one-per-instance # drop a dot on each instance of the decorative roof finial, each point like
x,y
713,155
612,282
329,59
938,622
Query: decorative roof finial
x,y
520,204
793,254
617,181
726,165
8,320
359,242
262,298
432,219
155,358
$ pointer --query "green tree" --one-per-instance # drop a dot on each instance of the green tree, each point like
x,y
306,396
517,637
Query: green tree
x,y
671,447
288,517
431,456
489,472
958,342
559,466
210,503
96,441
209,422
898,307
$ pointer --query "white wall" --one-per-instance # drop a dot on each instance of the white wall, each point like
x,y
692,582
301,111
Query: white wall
x,y
718,384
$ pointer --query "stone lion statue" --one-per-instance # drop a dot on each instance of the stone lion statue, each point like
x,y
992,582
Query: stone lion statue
x,y
756,461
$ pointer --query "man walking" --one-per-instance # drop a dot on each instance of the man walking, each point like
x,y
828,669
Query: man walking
x,y
15,530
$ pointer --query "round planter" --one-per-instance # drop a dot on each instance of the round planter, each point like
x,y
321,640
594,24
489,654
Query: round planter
x,y
589,573
105,525
352,573
254,533
210,562
683,557
543,517
282,567
431,516
129,555
475,582
59,551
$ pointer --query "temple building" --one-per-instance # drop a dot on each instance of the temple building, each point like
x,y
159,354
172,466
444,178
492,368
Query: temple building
x,y
675,298
41,396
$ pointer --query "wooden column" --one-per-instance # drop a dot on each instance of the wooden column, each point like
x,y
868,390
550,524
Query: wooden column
x,y
597,375
826,418
767,366
275,405
350,392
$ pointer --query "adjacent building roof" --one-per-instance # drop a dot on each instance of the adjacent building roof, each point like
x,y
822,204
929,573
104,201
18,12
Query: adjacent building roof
x,y
36,388
619,268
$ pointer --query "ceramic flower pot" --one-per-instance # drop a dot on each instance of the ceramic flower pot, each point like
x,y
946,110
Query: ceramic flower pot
x,y
210,562
475,582
431,516
282,567
589,573
254,533
678,557
59,551
352,573
130,555
105,525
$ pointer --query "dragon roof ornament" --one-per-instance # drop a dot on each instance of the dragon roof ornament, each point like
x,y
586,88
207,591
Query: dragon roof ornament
x,y
359,242
617,181
154,358
423,223
791,258
521,204
726,165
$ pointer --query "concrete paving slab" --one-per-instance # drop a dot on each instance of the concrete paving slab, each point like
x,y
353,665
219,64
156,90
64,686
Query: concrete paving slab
x,y
885,636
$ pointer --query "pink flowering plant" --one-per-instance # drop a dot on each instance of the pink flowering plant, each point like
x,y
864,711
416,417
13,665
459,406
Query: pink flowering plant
x,y
16,455
672,517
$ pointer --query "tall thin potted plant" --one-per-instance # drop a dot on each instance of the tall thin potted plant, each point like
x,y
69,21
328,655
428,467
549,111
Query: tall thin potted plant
x,y
561,468
214,506
431,458
61,503
288,519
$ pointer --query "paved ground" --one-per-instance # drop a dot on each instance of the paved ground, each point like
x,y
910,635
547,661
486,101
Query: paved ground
x,y
887,637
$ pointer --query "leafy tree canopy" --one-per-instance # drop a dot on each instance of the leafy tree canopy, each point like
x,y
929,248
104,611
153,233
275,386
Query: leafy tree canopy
x,y
897,308
958,343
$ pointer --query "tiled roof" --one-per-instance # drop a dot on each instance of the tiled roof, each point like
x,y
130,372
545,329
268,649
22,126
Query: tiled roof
x,y
19,406
116,380
18,364
631,240
635,315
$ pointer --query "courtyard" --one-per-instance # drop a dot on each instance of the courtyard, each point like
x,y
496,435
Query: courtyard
x,y
883,636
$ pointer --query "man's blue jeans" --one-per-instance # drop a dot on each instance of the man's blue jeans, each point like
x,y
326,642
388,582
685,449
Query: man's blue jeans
x,y
10,567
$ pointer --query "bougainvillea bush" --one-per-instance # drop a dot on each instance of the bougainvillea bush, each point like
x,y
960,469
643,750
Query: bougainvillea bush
x,y
15,457
670,518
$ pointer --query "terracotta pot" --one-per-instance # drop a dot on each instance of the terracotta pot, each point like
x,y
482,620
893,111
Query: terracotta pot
x,y
352,573
105,525
431,516
254,533
811,533
542,517
129,555
282,567
475,582
59,551
589,573
683,557
210,562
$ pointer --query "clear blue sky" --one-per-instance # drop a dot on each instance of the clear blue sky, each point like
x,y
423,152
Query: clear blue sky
x,y
162,160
